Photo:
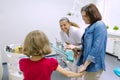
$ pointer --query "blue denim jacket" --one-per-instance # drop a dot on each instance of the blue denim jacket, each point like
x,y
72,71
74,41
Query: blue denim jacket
x,y
94,47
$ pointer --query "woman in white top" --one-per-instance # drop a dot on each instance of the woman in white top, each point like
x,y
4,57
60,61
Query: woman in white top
x,y
70,34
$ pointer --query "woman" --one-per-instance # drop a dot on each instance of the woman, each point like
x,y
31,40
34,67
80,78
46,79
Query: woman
x,y
70,33
93,43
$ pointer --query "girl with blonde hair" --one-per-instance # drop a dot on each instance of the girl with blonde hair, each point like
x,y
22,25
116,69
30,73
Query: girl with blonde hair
x,y
37,66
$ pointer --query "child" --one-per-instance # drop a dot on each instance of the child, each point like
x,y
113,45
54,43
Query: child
x,y
38,67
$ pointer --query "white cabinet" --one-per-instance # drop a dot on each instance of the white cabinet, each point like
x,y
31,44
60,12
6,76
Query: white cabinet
x,y
110,45
113,46
117,49
113,43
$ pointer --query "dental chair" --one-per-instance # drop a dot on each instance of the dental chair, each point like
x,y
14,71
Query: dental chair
x,y
67,56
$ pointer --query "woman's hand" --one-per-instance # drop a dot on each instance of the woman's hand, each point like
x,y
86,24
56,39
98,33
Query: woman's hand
x,y
70,47
73,48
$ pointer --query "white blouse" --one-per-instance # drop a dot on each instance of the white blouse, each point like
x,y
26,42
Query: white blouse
x,y
74,37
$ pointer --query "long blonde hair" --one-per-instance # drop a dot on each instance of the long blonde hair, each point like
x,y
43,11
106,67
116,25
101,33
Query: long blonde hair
x,y
71,23
36,43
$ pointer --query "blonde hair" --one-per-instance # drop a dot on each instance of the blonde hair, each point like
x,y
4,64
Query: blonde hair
x,y
74,25
71,23
36,43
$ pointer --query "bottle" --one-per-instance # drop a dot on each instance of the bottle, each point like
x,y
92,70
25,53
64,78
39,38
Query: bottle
x,y
57,43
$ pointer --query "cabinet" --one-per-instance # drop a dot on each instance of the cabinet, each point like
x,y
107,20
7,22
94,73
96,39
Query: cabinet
x,y
117,49
112,45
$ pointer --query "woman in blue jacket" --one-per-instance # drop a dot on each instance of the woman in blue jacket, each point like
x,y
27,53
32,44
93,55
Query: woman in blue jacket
x,y
93,44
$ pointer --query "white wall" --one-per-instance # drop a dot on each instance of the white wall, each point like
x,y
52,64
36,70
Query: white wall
x,y
112,13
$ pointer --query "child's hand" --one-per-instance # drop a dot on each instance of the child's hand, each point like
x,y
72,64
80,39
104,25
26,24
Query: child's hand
x,y
81,74
82,68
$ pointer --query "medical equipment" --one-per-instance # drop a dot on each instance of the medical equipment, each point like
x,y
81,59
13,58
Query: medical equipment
x,y
65,55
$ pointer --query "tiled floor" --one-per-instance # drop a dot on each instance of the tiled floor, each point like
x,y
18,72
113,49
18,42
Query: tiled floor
x,y
111,63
